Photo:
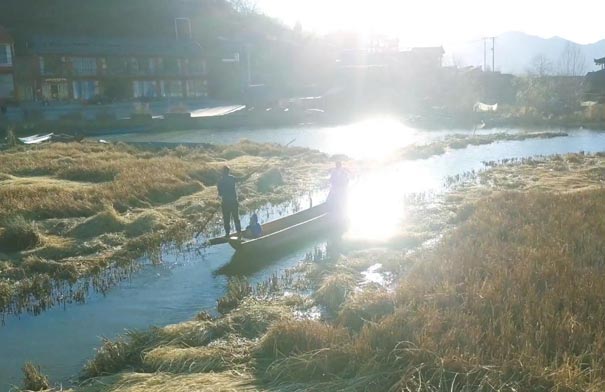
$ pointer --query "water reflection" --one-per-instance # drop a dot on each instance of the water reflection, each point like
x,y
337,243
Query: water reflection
x,y
377,200
375,138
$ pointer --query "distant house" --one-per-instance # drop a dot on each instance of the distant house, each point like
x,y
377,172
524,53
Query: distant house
x,y
423,57
7,82
600,62
88,69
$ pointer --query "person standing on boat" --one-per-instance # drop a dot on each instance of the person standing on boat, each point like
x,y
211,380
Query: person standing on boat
x,y
339,182
229,205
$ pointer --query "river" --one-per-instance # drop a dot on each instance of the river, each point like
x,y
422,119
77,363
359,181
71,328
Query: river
x,y
61,339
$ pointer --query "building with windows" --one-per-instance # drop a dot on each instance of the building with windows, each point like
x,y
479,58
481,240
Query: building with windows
x,y
93,69
7,81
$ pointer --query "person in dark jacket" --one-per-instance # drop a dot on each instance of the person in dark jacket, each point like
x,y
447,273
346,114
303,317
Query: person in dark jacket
x,y
230,207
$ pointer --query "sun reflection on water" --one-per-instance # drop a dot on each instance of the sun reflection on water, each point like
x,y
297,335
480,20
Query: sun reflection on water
x,y
375,138
377,200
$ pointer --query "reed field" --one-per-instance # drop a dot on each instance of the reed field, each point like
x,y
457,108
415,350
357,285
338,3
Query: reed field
x,y
511,298
78,210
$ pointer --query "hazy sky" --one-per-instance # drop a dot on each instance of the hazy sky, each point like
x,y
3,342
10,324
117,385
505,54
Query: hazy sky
x,y
434,22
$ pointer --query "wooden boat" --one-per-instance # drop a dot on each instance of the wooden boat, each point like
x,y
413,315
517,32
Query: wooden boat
x,y
36,139
283,232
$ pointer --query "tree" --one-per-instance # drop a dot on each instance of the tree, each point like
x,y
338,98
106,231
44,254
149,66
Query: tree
x,y
572,61
540,66
244,6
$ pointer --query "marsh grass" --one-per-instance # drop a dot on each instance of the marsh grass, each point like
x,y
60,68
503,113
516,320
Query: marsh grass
x,y
211,336
364,307
457,142
95,205
237,289
17,233
33,379
512,299
334,290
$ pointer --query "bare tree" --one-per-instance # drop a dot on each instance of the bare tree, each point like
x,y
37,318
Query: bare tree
x,y
572,61
540,66
244,6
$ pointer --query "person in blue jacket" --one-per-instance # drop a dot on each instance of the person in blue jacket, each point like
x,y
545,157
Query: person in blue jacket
x,y
254,228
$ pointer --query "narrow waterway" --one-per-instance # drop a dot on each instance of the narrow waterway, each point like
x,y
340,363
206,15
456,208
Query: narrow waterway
x,y
61,340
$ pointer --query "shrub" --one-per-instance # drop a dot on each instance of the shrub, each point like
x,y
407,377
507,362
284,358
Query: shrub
x,y
18,234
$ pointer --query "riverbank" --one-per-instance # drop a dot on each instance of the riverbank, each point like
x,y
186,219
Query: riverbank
x,y
101,123
79,214
510,298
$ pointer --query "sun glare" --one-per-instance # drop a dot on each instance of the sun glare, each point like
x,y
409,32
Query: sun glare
x,y
375,208
377,200
375,139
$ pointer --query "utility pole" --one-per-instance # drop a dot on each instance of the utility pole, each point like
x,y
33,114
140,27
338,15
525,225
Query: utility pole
x,y
484,55
248,65
493,54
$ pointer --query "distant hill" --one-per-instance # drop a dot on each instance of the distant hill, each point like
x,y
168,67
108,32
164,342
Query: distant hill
x,y
515,52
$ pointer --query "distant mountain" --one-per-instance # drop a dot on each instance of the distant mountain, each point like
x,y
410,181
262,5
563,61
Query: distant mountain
x,y
515,52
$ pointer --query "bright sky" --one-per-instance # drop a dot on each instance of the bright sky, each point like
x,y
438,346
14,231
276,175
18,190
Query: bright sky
x,y
436,22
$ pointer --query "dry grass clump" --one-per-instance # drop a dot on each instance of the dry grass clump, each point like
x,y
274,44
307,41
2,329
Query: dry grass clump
x,y
123,353
91,171
293,337
146,222
17,233
6,294
302,351
334,290
107,221
238,288
309,367
249,321
219,355
269,179
33,379
365,306
228,381
253,318
59,271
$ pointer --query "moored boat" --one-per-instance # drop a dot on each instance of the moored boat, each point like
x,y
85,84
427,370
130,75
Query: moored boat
x,y
283,232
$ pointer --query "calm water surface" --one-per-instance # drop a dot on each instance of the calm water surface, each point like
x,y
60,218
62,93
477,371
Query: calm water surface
x,y
61,340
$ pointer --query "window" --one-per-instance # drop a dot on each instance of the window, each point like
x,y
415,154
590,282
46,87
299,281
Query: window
x,y
85,89
145,88
84,65
51,65
172,88
196,88
55,90
7,87
6,55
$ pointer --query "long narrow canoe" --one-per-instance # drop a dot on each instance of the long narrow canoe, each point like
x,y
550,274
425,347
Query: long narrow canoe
x,y
282,232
